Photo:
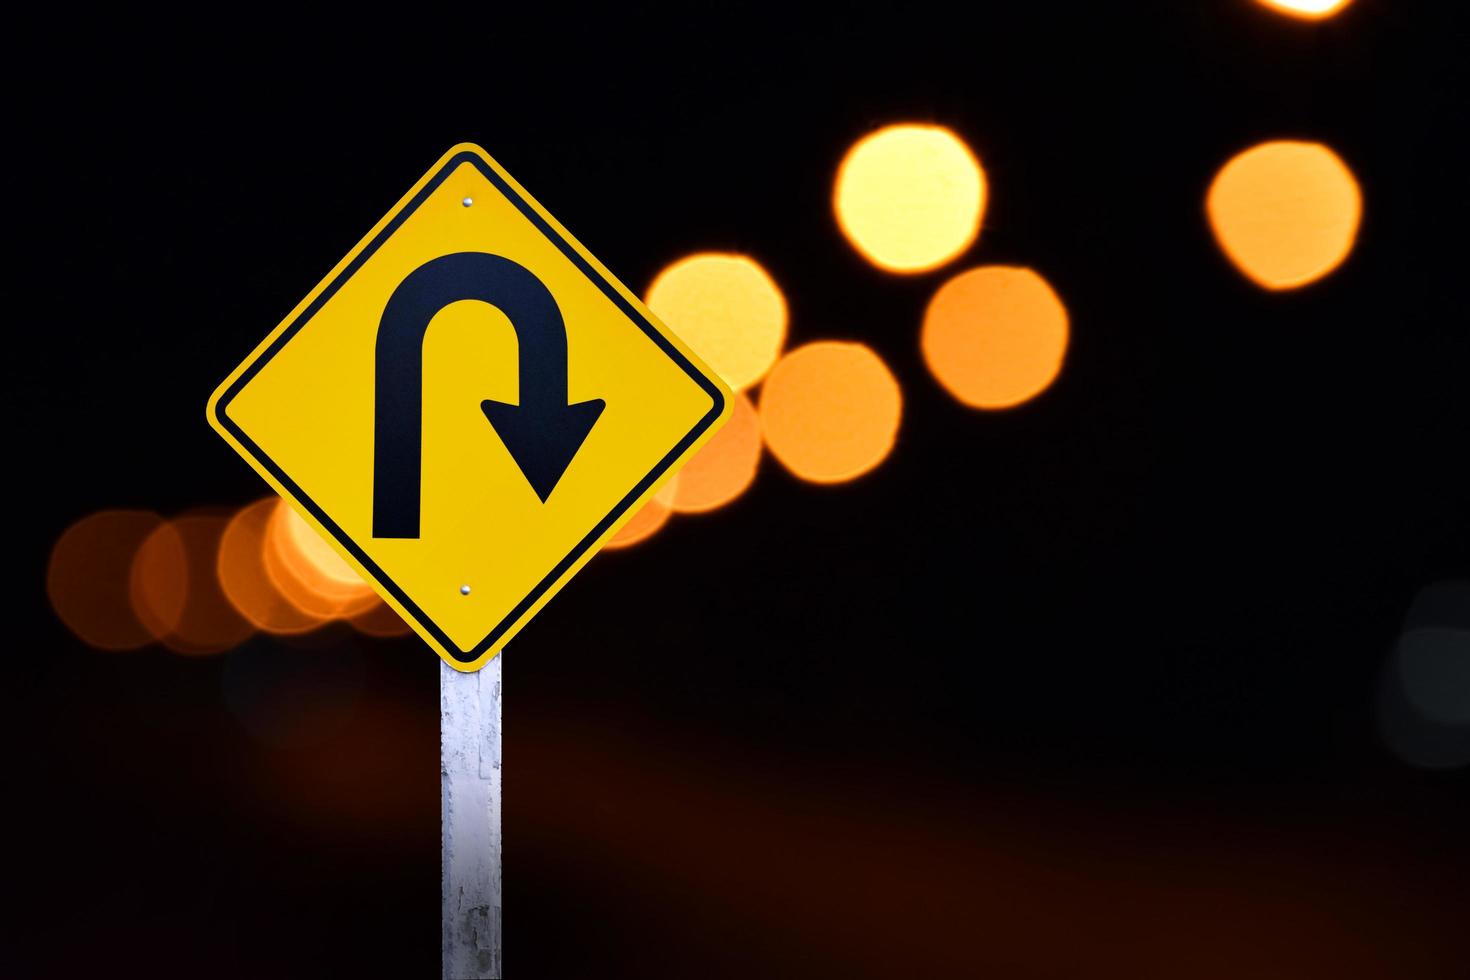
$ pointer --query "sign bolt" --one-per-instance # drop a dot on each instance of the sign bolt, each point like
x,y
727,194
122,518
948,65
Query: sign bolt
x,y
464,590
467,201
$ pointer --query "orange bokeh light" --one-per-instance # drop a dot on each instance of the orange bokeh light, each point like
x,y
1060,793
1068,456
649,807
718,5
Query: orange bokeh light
x,y
307,572
87,575
319,554
910,197
830,411
650,517
1285,213
158,580
243,577
727,308
176,592
380,620
304,540
725,466
995,336
1306,9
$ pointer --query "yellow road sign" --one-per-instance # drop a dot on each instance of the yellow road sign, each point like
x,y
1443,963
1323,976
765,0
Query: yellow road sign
x,y
468,406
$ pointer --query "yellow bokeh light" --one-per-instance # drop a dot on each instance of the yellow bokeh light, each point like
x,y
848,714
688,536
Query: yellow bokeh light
x,y
1285,213
910,197
307,572
995,336
725,466
830,411
322,556
728,309
650,517
1306,9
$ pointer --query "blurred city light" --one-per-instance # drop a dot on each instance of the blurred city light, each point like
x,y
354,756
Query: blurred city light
x,y
300,592
307,572
910,197
1433,655
830,411
1306,9
317,551
176,591
87,578
1424,690
650,517
727,308
1434,671
380,620
726,465
1285,213
995,336
158,580
243,578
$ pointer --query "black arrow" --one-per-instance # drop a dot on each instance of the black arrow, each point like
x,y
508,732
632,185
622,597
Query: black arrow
x,y
542,433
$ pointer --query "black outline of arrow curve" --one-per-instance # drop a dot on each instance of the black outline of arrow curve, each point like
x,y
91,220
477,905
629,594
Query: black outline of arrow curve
x,y
543,432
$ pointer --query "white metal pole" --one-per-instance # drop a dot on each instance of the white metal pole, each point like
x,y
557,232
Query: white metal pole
x,y
469,795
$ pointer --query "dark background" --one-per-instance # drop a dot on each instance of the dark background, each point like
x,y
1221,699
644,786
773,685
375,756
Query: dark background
x,y
1082,689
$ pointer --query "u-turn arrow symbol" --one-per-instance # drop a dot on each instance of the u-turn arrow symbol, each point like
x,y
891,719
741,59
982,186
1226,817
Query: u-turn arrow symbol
x,y
542,433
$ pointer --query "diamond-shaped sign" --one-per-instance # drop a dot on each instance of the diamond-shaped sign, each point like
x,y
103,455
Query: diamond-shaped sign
x,y
468,406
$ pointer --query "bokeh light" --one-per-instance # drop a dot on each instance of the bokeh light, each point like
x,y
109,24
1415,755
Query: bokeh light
x,y
830,411
1434,671
380,620
910,197
1306,9
995,336
308,572
1424,690
158,580
199,584
304,539
87,576
243,578
650,517
1285,213
725,466
1417,739
289,580
728,309
1433,654
176,591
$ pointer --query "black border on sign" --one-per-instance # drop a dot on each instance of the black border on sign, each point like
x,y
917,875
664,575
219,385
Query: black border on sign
x,y
618,300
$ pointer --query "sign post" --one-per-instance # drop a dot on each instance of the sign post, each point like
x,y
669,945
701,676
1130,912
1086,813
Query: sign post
x,y
469,798
467,408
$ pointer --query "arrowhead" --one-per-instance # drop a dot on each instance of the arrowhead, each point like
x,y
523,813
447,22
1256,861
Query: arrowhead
x,y
543,440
